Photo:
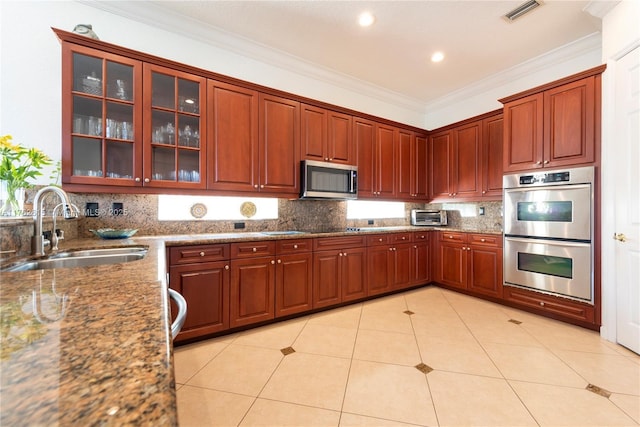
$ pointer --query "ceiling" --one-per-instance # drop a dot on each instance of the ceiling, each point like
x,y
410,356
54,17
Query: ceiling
x,y
394,53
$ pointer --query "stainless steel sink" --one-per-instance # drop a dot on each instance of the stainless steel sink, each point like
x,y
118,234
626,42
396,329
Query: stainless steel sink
x,y
79,258
282,233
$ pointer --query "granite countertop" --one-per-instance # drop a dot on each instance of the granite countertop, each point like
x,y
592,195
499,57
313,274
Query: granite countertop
x,y
91,345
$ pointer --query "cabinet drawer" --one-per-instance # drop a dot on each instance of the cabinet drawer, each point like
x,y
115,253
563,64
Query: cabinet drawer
x,y
421,236
329,243
294,246
400,237
198,253
253,249
378,239
451,236
485,240
550,304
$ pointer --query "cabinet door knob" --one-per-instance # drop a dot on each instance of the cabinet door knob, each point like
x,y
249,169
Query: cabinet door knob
x,y
254,249
484,192
340,254
147,180
279,261
255,186
404,238
202,253
261,185
538,163
273,262
546,162
380,239
295,246
138,179
226,267
344,254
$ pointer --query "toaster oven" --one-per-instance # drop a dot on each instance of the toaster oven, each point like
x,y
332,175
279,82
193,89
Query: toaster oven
x,y
428,217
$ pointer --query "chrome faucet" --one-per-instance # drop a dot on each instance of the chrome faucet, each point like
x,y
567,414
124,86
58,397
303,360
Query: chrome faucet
x,y
38,242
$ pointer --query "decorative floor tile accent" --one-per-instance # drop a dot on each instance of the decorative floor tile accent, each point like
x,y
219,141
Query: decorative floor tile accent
x,y
517,322
287,351
425,369
597,390
409,312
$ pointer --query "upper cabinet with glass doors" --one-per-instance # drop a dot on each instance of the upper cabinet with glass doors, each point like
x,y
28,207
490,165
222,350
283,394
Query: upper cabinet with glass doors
x,y
174,128
128,123
102,118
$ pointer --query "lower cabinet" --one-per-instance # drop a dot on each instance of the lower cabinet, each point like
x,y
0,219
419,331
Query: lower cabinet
x,y
339,270
294,277
204,283
471,262
421,258
389,262
253,281
556,307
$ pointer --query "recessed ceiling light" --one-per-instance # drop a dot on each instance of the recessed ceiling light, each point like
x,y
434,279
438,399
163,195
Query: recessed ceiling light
x,y
366,19
437,57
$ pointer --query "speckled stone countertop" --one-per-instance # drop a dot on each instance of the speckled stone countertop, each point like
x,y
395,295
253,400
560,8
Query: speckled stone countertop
x,y
92,346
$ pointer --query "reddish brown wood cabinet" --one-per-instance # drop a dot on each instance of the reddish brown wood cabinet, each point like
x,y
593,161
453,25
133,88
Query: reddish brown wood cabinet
x,y
556,307
326,135
554,125
471,262
377,159
294,277
233,137
465,160
201,274
339,270
389,262
421,258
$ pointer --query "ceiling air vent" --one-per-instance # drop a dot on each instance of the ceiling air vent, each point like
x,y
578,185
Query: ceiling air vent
x,y
522,9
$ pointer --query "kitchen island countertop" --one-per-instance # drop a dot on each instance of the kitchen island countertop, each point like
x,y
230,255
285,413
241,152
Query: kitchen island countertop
x,y
92,346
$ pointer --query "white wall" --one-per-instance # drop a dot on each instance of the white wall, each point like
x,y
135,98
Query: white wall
x,y
620,33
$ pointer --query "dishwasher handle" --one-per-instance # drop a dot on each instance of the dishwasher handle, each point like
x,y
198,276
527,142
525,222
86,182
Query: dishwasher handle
x,y
182,312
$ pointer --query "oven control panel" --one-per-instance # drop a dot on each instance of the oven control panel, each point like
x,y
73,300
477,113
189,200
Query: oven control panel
x,y
544,178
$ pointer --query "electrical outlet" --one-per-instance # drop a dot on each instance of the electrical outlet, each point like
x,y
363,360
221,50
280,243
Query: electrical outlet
x,y
117,208
481,211
91,209
238,225
370,222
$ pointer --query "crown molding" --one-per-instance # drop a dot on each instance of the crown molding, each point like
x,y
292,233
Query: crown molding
x,y
154,15
600,8
580,47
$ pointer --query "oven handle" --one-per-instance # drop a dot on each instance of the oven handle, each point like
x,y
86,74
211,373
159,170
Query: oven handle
x,y
547,241
548,187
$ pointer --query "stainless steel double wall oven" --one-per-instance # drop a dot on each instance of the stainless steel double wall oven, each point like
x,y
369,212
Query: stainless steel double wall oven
x,y
548,232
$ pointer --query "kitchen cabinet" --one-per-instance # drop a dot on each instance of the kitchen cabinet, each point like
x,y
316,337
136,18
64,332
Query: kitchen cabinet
x,y
412,166
233,157
131,124
552,306
421,258
554,125
389,262
175,119
377,163
471,262
294,277
252,293
200,273
491,165
339,270
102,110
454,166
279,145
326,135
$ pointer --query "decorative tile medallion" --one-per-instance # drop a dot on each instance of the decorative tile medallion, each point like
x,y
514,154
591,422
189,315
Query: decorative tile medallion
x,y
287,351
425,369
409,312
198,210
517,322
597,390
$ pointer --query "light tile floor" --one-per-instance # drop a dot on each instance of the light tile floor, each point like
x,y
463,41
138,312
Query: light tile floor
x,y
356,366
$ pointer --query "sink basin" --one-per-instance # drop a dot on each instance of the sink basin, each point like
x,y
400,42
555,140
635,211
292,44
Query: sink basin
x,y
281,233
80,258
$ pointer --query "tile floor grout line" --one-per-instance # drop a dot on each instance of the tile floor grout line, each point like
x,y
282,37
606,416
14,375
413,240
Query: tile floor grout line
x,y
353,351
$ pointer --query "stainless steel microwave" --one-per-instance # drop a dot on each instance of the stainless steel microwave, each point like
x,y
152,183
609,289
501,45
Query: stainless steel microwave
x,y
323,180
428,217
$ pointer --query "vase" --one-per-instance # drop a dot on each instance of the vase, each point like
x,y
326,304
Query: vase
x,y
12,200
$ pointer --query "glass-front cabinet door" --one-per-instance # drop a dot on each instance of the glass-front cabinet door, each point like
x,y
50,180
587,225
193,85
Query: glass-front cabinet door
x,y
174,149
102,118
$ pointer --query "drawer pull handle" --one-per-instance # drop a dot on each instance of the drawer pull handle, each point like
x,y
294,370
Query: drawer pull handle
x,y
295,246
255,249
482,240
202,253
542,303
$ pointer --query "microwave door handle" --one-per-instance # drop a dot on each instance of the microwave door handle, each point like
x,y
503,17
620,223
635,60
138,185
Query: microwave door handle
x,y
354,182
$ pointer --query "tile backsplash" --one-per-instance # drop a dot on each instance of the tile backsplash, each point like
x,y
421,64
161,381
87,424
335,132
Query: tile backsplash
x,y
141,212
